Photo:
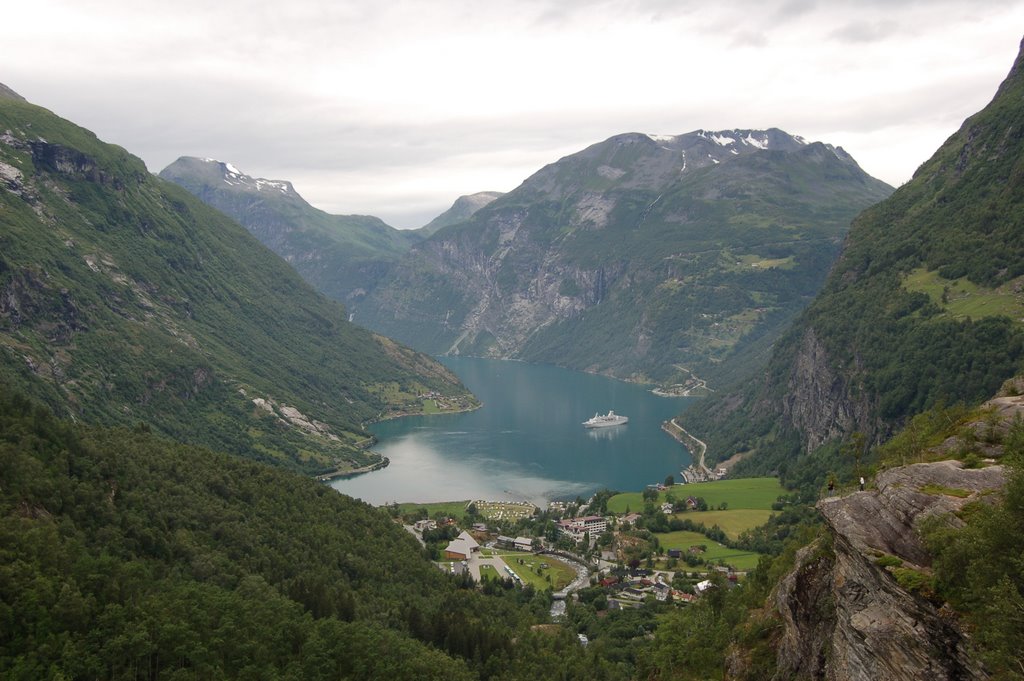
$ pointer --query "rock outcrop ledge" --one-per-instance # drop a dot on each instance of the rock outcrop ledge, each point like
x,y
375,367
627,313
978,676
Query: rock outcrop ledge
x,y
846,615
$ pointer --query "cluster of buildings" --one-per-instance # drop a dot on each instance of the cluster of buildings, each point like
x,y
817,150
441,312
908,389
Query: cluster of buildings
x,y
576,528
465,545
702,474
634,591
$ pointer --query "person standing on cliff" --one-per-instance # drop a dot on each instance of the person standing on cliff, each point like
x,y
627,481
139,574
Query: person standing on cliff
x,y
831,486
862,483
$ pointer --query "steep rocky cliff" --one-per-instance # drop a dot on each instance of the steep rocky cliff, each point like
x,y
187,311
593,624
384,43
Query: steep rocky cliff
x,y
819,401
851,611
641,256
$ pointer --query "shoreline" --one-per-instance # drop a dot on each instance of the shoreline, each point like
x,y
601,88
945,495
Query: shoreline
x,y
341,475
391,417
682,436
687,389
659,389
369,442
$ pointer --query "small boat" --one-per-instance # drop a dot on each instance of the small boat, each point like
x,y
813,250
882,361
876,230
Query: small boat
x,y
609,419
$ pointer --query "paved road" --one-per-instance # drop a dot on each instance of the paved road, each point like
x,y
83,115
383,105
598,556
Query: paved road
x,y
494,561
413,532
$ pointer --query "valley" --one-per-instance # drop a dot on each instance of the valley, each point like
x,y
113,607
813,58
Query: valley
x,y
227,452
526,442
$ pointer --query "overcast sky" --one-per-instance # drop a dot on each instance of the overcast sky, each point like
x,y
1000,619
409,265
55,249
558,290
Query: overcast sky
x,y
395,109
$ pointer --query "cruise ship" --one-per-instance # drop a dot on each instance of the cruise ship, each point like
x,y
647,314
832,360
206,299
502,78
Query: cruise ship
x,y
609,419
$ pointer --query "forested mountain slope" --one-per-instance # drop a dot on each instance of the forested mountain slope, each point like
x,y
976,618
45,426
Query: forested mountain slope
x,y
642,257
924,306
342,256
126,556
124,299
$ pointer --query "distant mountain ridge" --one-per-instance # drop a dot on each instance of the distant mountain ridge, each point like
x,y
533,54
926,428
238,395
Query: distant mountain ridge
x,y
124,301
463,209
340,255
643,256
923,307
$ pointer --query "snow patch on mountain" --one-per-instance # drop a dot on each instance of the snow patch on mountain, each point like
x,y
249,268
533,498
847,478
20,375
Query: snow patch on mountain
x,y
755,142
234,177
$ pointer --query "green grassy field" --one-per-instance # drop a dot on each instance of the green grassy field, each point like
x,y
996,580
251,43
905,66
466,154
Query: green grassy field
x,y
560,573
740,493
965,298
454,509
732,522
741,560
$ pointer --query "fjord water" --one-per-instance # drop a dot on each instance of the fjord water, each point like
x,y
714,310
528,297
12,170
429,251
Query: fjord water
x,y
527,441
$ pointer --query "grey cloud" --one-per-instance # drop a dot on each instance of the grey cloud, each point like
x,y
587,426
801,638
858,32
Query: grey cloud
x,y
745,38
792,9
865,32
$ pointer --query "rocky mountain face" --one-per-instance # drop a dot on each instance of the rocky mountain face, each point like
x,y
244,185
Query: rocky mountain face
x,y
924,304
858,603
846,615
124,300
646,257
343,256
463,209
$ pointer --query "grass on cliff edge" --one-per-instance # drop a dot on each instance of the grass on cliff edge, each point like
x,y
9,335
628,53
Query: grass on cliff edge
x,y
963,298
738,493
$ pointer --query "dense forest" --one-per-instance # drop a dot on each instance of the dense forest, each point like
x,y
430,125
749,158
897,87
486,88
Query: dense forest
x,y
127,556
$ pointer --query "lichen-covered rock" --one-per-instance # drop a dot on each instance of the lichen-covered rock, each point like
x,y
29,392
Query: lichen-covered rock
x,y
856,612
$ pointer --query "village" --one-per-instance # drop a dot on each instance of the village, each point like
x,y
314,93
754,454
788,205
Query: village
x,y
667,544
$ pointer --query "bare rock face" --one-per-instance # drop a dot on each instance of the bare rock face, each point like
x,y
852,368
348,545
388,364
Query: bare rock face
x,y
845,616
819,402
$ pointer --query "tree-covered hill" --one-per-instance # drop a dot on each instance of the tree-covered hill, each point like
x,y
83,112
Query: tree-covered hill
x,y
924,306
642,257
126,556
342,256
125,299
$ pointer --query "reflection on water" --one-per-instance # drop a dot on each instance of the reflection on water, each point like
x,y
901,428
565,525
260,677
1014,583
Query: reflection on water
x,y
421,470
607,433
527,442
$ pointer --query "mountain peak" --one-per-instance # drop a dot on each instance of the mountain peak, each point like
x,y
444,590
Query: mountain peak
x,y
463,209
639,160
1015,74
211,168
8,93
772,138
